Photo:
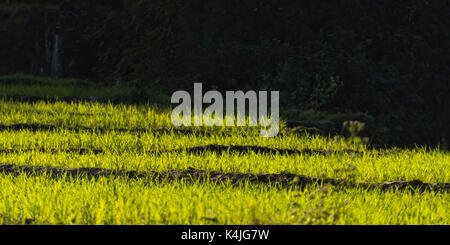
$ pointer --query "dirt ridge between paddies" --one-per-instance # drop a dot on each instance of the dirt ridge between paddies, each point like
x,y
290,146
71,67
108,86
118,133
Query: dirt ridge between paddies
x,y
197,150
191,174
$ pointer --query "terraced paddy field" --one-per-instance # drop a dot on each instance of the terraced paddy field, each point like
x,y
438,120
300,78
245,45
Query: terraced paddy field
x,y
89,162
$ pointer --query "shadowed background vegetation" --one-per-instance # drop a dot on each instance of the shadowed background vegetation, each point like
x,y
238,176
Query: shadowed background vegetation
x,y
387,60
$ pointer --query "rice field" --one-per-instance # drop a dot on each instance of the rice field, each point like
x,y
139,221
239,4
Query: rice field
x,y
141,138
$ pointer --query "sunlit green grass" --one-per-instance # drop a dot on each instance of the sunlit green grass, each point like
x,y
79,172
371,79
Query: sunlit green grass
x,y
40,200
147,152
92,114
99,115
43,200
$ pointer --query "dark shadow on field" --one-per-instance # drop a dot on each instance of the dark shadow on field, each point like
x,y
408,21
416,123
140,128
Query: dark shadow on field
x,y
51,113
161,130
285,180
115,100
51,99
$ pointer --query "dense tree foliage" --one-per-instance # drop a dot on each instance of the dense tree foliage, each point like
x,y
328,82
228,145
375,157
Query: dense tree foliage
x,y
387,58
